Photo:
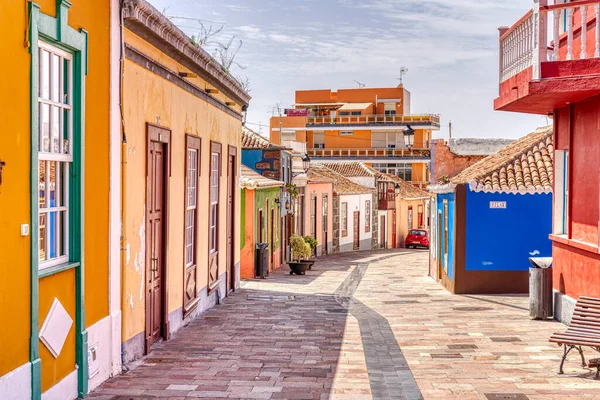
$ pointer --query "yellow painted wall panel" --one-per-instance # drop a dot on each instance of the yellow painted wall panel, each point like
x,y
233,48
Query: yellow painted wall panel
x,y
151,99
14,191
62,287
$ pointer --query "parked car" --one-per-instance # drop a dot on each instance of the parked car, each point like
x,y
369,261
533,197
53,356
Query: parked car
x,y
417,238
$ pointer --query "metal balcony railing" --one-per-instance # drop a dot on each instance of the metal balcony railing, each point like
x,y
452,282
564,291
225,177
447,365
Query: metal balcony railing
x,y
526,43
416,120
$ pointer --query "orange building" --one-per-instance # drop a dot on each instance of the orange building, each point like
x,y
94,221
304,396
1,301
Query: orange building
x,y
365,124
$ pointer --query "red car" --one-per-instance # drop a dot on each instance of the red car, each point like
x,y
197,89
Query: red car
x,y
417,237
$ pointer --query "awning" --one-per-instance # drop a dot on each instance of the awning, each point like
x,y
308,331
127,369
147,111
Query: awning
x,y
354,106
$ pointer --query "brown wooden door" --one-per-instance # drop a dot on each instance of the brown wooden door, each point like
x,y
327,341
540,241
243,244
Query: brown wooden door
x,y
382,232
356,230
156,210
230,220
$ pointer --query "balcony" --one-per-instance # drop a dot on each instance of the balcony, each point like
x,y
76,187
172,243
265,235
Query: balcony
x,y
386,196
549,58
417,153
296,147
425,121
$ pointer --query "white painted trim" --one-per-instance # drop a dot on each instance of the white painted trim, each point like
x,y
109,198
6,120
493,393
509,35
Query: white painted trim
x,y
16,385
442,188
478,187
358,127
114,238
107,338
66,389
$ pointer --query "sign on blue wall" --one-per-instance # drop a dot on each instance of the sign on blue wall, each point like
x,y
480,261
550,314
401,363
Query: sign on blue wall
x,y
504,230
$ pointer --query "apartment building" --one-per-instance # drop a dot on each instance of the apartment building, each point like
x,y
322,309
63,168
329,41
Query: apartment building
x,y
370,125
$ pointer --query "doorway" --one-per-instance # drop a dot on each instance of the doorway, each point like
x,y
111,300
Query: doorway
x,y
394,244
356,230
439,238
157,181
382,232
325,219
231,175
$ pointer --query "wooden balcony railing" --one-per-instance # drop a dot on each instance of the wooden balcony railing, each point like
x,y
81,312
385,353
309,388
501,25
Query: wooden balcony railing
x,y
526,43
416,120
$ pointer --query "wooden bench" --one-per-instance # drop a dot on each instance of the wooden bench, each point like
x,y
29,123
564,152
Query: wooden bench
x,y
584,330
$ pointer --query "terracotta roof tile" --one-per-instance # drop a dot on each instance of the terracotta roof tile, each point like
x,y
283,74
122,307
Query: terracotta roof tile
x,y
254,140
251,179
341,184
525,165
408,191
351,169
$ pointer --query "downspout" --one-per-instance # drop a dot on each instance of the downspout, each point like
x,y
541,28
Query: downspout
x,y
124,242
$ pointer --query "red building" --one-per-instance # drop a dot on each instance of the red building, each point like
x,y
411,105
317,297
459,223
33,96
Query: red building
x,y
550,65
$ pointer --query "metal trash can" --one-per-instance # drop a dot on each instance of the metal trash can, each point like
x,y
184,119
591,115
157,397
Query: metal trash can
x,y
261,261
540,288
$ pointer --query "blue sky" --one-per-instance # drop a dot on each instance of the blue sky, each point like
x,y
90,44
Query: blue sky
x,y
448,46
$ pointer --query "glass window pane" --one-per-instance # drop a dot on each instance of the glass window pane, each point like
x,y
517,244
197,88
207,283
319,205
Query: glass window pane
x,y
65,124
42,184
55,78
45,74
42,237
52,200
55,129
63,234
52,237
44,128
65,82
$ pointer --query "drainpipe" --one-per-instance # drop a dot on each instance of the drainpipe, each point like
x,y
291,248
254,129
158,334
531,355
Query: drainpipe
x,y
123,245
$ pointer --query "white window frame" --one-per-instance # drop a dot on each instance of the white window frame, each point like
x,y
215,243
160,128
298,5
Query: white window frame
x,y
57,154
191,203
561,190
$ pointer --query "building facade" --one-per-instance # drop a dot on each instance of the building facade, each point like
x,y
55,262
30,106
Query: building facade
x,y
315,205
59,219
181,206
450,157
260,220
557,75
365,124
492,217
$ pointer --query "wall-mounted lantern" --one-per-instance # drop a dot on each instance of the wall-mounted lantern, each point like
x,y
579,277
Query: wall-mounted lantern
x,y
306,162
409,137
244,112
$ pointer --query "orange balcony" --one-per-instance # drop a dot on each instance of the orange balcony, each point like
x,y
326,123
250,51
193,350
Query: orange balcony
x,y
416,153
425,121
550,57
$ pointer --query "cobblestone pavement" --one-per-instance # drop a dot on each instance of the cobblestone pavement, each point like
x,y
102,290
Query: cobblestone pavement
x,y
359,326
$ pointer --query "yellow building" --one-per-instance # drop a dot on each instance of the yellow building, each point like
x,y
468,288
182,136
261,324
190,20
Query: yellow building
x,y
61,326
181,157
365,124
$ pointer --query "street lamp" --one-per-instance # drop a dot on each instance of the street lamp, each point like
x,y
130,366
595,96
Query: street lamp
x,y
306,162
409,137
244,112
397,189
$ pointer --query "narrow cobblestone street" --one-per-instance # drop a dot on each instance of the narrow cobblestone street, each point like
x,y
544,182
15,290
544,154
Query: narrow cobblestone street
x,y
359,326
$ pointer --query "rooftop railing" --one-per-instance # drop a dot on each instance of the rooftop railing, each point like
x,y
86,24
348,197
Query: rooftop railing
x,y
418,151
526,43
424,119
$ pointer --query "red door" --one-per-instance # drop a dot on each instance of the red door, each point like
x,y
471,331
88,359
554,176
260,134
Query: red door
x,y
156,189
394,244
356,230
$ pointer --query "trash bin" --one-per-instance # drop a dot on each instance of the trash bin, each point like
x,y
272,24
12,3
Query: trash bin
x,y
540,288
262,260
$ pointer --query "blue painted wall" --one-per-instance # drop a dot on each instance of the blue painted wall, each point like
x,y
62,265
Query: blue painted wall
x,y
504,239
250,157
448,264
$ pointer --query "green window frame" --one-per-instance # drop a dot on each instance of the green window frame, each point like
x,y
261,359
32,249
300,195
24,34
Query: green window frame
x,y
55,33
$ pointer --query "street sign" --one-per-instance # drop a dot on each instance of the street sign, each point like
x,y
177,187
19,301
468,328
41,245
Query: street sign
x,y
498,204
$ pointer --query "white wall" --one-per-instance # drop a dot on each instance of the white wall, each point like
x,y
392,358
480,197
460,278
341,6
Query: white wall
x,y
366,181
356,202
380,227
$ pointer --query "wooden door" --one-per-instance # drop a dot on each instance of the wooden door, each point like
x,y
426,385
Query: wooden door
x,y
356,230
325,219
230,218
382,232
394,244
272,238
156,218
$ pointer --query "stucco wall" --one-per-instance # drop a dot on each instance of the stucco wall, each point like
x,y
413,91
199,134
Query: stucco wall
x,y
355,202
151,99
318,190
504,239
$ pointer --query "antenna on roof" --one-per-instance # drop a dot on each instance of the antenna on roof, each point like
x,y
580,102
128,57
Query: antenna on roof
x,y
403,71
360,84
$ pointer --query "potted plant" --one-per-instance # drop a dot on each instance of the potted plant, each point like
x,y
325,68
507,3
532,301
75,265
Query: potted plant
x,y
312,242
300,252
